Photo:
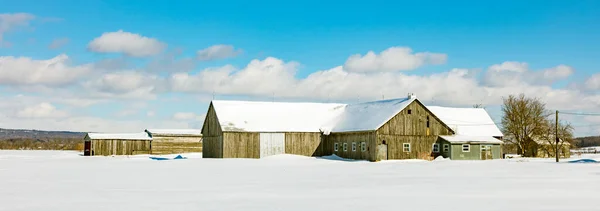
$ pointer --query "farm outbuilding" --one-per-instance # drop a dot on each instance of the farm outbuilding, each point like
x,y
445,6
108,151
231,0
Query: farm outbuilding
x,y
244,129
116,144
172,141
384,130
544,149
476,135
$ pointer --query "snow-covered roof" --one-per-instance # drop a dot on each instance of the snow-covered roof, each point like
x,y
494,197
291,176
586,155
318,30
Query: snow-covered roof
x,y
119,136
458,139
366,116
175,132
467,121
253,116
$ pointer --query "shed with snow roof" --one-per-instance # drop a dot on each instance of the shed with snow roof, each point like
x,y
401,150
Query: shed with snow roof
x,y
116,144
389,129
172,141
250,129
476,135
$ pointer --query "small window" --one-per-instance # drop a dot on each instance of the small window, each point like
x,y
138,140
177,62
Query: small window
x,y
354,146
409,111
345,146
466,147
363,146
406,147
436,147
446,147
427,121
335,147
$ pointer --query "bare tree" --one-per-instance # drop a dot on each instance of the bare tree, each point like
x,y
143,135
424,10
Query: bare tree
x,y
565,134
523,118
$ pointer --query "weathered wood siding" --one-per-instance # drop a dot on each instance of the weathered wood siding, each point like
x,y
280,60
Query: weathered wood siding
x,y
306,144
212,135
421,147
212,147
241,145
414,124
120,147
412,127
176,144
349,138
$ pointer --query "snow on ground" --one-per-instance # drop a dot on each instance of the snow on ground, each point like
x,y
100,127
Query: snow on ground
x,y
60,180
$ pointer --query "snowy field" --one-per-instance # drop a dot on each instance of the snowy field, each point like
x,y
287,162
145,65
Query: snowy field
x,y
60,181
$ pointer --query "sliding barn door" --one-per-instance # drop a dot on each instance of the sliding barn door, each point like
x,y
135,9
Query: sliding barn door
x,y
272,144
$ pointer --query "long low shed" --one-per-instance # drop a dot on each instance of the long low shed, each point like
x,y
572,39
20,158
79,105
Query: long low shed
x,y
173,141
116,144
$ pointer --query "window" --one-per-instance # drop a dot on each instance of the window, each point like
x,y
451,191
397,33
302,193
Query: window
x,y
436,147
406,147
363,146
427,121
345,146
354,146
466,147
409,111
446,147
335,147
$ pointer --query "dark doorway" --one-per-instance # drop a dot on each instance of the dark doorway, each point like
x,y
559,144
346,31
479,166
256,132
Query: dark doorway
x,y
87,148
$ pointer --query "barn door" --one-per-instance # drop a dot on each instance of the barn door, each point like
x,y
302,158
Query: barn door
x,y
272,144
87,148
382,153
486,152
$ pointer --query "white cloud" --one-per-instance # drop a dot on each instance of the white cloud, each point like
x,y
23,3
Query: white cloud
x,y
392,59
126,84
593,82
130,44
510,66
185,116
217,52
58,43
10,21
41,111
513,73
19,71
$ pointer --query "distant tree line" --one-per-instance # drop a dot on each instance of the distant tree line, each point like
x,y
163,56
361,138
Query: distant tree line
x,y
590,141
42,144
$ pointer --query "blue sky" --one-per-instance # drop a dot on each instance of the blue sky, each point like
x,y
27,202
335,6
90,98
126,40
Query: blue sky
x,y
304,40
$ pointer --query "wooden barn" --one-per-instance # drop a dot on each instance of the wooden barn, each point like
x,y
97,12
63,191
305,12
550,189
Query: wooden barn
x,y
243,129
116,144
389,129
476,135
173,141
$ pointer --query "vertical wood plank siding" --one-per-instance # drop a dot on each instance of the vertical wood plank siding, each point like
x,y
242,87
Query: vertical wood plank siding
x,y
241,145
212,135
306,144
412,128
120,147
176,144
349,138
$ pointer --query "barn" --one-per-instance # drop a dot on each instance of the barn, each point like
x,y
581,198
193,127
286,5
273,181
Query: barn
x,y
383,130
173,141
116,144
247,129
476,135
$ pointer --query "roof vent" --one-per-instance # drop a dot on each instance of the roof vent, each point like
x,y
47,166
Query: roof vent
x,y
411,96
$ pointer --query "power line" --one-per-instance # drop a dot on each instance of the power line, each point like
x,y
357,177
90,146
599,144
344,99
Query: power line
x,y
579,113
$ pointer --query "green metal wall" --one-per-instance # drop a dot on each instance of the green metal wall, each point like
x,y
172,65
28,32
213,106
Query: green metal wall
x,y
456,152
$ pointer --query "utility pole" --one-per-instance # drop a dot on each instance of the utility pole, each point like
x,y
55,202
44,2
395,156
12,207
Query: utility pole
x,y
556,136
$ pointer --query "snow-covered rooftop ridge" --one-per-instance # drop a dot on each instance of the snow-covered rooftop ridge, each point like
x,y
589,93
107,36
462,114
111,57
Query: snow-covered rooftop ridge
x,y
458,139
117,136
255,116
366,116
175,131
467,121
